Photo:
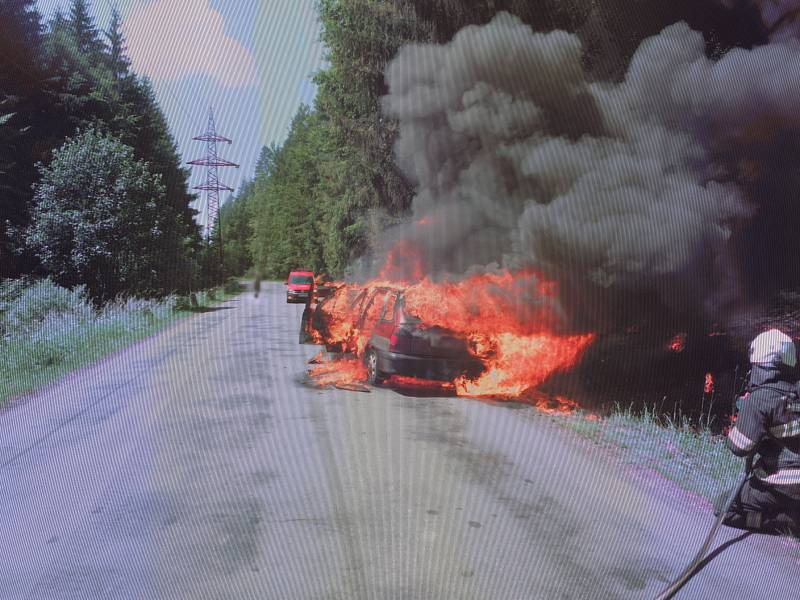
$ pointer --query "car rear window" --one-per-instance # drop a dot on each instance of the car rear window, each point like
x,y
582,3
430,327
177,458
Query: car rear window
x,y
407,316
301,279
388,311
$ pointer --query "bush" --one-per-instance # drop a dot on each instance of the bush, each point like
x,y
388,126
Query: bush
x,y
233,286
43,353
50,330
24,309
102,218
183,303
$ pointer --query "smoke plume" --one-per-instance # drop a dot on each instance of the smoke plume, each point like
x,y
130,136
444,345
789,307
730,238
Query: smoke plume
x,y
670,191
781,17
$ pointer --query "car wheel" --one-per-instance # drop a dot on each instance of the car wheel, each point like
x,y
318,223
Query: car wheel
x,y
374,376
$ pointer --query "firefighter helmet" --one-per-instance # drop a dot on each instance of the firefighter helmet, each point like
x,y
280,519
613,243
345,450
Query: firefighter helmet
x,y
773,348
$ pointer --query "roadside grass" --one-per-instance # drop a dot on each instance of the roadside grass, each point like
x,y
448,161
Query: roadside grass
x,y
48,331
691,455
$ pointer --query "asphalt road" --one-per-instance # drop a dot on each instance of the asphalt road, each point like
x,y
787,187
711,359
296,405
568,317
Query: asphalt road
x,y
200,464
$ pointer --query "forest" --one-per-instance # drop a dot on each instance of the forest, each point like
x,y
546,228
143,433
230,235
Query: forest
x,y
92,189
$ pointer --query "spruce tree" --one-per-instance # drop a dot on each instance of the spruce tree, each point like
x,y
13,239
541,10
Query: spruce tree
x,y
83,30
118,61
24,104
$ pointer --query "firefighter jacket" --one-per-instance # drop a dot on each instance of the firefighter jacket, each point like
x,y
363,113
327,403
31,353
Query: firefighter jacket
x,y
769,424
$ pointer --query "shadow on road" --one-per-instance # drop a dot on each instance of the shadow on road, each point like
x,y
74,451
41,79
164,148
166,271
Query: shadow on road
x,y
420,390
205,309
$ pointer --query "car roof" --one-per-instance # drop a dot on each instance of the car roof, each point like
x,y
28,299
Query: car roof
x,y
301,273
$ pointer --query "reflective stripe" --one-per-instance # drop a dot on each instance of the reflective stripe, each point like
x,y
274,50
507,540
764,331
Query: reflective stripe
x,y
790,429
782,477
740,440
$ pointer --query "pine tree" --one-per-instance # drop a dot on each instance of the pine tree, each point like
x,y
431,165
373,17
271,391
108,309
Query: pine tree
x,y
118,61
151,139
24,106
266,159
83,30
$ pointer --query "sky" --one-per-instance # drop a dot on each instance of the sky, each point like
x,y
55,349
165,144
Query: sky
x,y
252,60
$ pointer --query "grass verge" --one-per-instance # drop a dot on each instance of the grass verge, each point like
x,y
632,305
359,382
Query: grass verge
x,y
48,331
690,455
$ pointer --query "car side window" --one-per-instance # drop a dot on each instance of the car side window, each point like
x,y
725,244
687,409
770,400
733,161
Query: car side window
x,y
373,309
388,308
358,301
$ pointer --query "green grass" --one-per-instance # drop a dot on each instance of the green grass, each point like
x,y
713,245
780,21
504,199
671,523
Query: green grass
x,y
48,332
690,455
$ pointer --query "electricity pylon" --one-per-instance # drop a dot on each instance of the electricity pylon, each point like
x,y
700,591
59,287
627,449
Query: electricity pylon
x,y
213,186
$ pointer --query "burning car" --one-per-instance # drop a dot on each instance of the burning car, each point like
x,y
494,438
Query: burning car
x,y
324,286
487,335
401,344
391,340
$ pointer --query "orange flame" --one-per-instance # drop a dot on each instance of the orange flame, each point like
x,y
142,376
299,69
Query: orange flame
x,y
508,318
403,264
678,343
524,362
341,371
708,388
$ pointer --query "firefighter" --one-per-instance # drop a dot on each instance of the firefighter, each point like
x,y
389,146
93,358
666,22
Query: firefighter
x,y
768,426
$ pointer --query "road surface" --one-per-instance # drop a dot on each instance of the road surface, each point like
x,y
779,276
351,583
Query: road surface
x,y
200,464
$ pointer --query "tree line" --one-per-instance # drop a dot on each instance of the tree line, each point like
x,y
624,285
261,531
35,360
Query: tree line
x,y
92,190
323,197
93,193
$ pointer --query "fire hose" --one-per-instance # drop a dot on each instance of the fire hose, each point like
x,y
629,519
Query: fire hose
x,y
693,566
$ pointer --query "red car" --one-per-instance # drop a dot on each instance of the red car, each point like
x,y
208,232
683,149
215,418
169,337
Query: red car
x,y
300,287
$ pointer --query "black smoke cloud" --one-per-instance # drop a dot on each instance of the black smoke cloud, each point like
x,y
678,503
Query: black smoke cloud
x,y
781,17
651,195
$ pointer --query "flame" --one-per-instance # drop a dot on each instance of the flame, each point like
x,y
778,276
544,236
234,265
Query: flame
x,y
678,342
524,362
507,318
556,404
341,371
708,387
403,264
417,382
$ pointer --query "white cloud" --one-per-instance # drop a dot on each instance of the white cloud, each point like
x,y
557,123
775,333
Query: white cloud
x,y
169,40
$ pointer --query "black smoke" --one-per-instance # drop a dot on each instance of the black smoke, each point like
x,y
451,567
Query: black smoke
x,y
667,194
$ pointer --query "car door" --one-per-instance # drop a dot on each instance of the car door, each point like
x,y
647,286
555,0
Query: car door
x,y
385,325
